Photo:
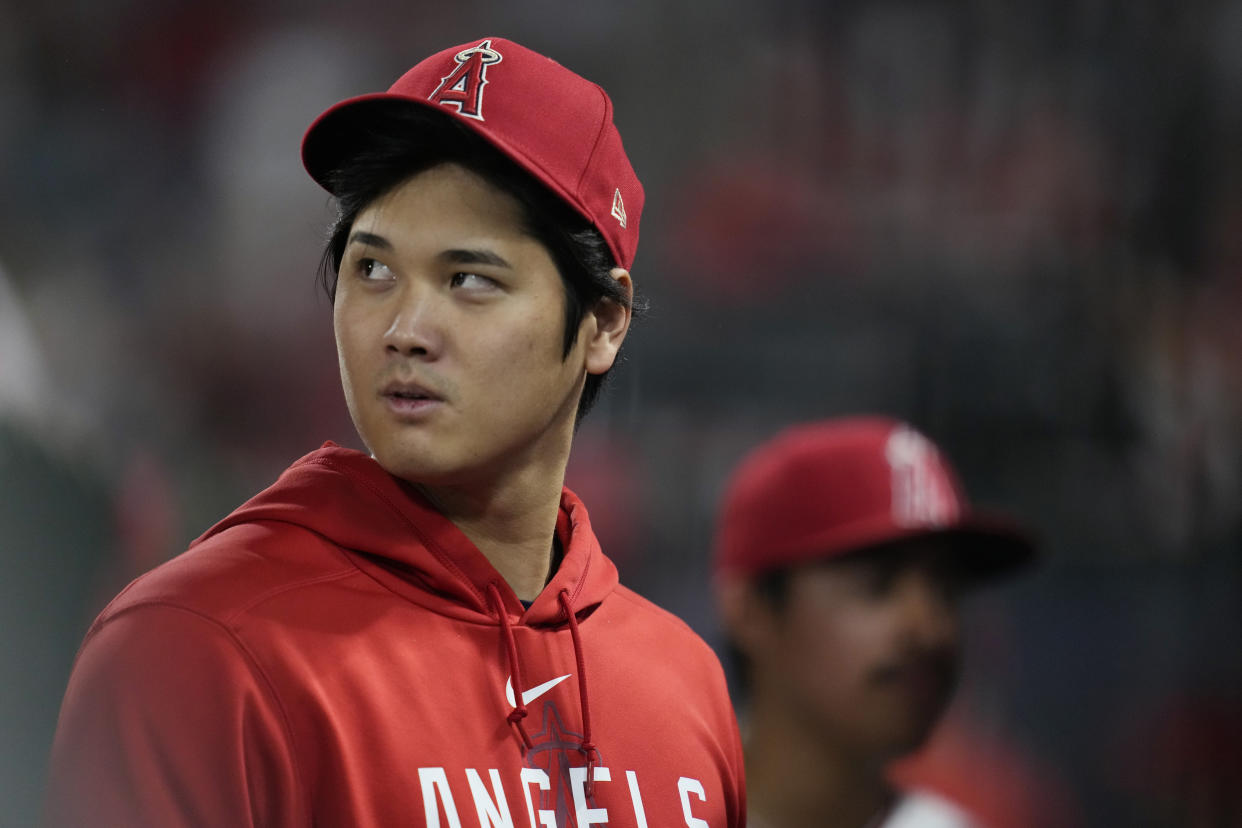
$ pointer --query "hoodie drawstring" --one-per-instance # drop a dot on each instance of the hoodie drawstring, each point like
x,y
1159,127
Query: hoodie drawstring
x,y
587,747
506,633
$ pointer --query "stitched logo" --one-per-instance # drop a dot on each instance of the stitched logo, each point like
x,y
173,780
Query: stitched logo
x,y
618,208
556,752
922,494
463,87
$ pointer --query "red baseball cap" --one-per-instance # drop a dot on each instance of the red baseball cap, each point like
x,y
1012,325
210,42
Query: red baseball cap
x,y
826,489
554,124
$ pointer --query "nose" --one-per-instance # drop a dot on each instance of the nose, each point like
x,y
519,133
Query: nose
x,y
415,328
929,608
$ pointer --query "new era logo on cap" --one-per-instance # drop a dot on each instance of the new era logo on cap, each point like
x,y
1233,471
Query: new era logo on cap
x,y
618,207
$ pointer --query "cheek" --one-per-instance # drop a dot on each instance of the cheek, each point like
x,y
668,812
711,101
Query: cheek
x,y
530,347
838,648
350,350
344,348
353,327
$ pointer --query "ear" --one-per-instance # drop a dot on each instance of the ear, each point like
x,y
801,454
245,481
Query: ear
x,y
750,620
606,324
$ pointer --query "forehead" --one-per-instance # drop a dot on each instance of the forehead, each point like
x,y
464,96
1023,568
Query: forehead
x,y
940,554
447,193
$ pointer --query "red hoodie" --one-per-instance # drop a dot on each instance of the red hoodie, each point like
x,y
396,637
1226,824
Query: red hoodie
x,y
337,653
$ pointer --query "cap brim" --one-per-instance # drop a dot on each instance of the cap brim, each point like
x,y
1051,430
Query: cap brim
x,y
985,546
346,128
342,131
989,546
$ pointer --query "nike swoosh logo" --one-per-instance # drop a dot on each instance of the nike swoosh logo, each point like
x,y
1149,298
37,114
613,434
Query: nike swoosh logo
x,y
533,693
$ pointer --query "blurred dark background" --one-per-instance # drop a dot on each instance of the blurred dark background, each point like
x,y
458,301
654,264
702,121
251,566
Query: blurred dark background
x,y
1018,226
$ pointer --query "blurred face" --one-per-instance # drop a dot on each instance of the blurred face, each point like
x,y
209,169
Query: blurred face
x,y
866,649
449,321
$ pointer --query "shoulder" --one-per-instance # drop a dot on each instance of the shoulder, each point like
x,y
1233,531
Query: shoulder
x,y
165,698
650,614
682,649
234,572
216,616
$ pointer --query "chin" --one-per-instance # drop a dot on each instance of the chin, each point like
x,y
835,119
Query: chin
x,y
423,467
884,752
407,462
409,469
909,736
892,731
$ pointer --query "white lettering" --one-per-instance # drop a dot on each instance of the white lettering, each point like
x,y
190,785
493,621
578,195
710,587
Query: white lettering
x,y
546,818
640,814
434,782
685,786
491,812
588,816
922,494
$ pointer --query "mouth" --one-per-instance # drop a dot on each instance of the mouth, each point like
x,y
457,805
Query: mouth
x,y
409,391
928,680
408,399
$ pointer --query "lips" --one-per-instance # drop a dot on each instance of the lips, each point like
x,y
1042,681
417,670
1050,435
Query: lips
x,y
407,395
401,390
923,682
929,680
410,400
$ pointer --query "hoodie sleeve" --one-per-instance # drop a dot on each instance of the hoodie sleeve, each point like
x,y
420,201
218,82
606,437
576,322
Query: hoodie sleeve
x,y
735,772
739,778
167,721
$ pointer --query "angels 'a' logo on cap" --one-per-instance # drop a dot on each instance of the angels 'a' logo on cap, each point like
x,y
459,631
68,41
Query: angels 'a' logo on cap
x,y
921,490
463,87
618,208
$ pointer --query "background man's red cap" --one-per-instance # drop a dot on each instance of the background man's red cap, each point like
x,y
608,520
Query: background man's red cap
x,y
826,489
554,124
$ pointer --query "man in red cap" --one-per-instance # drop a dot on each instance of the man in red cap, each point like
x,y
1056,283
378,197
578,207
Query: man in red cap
x,y
842,549
425,633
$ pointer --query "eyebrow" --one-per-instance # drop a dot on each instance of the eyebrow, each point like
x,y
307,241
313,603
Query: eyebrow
x,y
474,257
455,256
369,239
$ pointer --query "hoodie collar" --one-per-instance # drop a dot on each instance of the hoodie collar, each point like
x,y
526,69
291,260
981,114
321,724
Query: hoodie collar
x,y
396,536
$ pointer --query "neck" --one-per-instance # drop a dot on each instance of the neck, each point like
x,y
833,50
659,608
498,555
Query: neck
x,y
511,519
797,777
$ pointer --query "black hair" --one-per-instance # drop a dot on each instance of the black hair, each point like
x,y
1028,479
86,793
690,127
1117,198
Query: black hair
x,y
401,139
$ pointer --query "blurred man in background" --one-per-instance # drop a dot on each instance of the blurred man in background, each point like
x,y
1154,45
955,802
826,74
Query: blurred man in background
x,y
842,550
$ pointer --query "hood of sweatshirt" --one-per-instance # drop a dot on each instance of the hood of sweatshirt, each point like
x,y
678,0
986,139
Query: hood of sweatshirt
x,y
347,497
396,534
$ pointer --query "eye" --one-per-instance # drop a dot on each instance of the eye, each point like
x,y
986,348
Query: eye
x,y
875,576
374,270
882,582
472,281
